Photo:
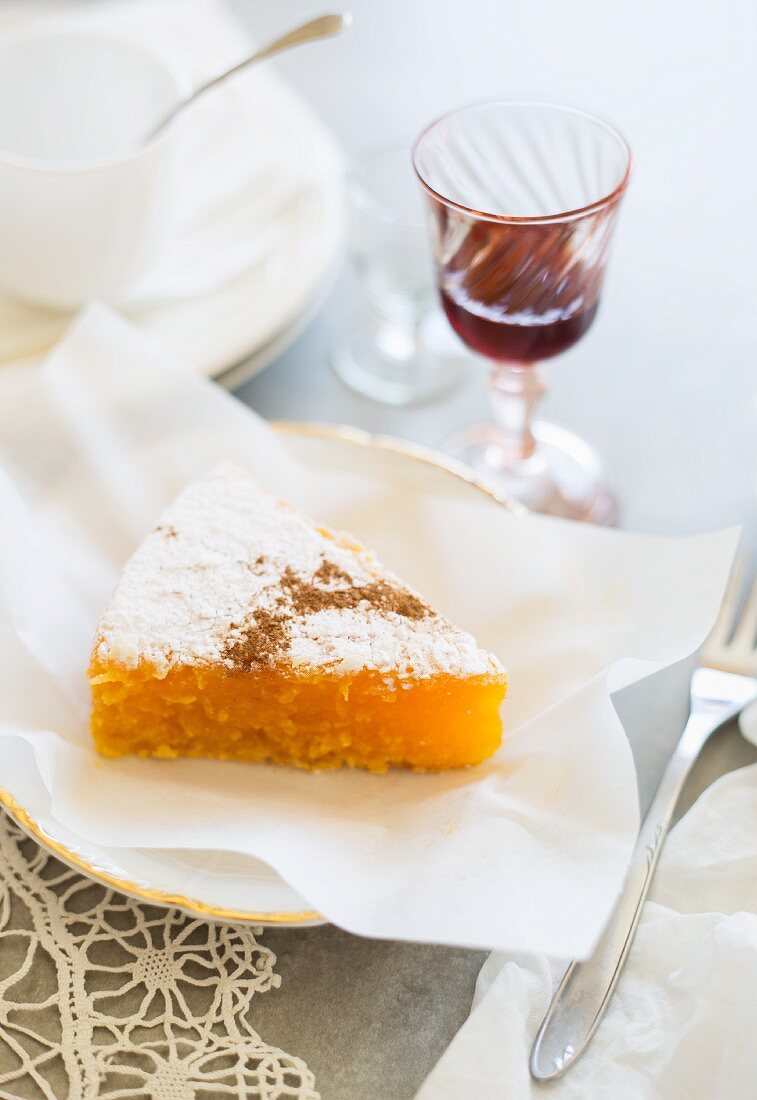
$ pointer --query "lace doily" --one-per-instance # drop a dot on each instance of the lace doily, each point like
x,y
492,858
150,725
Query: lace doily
x,y
103,997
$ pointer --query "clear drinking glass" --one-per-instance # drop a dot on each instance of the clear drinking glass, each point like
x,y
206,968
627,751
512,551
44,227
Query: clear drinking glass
x,y
398,351
522,199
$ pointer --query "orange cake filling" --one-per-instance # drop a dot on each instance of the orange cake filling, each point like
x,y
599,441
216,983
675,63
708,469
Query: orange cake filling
x,y
241,630
316,721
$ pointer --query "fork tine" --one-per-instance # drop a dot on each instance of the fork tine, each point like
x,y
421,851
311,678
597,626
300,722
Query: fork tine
x,y
745,634
727,615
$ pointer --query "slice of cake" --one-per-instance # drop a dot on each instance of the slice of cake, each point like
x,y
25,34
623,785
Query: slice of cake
x,y
241,630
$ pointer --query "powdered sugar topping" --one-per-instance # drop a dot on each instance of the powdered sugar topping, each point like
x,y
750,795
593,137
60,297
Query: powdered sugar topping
x,y
231,575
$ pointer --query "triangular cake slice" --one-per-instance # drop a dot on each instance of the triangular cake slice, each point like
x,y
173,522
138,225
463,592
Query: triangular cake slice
x,y
241,630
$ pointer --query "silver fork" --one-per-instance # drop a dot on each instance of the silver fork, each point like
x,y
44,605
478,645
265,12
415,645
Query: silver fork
x,y
721,687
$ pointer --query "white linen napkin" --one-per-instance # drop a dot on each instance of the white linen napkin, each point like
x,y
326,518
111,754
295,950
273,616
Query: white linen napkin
x,y
525,852
748,723
681,1025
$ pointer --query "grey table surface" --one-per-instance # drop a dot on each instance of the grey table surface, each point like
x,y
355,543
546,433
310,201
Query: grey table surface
x,y
665,385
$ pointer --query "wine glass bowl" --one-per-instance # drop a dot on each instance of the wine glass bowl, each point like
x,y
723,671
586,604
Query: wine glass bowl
x,y
522,201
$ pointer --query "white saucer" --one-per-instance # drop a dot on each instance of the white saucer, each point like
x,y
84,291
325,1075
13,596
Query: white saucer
x,y
225,885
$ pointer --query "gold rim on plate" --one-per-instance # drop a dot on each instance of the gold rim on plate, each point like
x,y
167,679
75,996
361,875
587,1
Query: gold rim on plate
x,y
193,906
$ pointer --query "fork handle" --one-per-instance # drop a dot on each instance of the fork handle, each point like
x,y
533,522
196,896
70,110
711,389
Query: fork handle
x,y
582,997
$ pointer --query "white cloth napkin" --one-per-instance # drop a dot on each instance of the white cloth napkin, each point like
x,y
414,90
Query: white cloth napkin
x,y
525,852
681,1025
244,182
748,723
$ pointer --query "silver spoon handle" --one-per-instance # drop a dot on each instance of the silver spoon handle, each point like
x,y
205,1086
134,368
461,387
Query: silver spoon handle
x,y
325,26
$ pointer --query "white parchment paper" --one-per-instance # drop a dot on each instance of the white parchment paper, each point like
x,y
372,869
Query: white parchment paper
x,y
523,853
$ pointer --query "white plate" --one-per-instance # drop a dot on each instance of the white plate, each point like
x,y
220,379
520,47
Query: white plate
x,y
235,329
225,885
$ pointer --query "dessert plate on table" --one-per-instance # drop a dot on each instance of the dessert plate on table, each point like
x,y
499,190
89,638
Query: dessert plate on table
x,y
226,885
259,209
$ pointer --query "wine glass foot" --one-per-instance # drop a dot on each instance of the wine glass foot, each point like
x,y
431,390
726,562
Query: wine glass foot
x,y
393,368
563,477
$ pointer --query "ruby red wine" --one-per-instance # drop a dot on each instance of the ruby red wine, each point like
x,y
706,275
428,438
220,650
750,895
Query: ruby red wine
x,y
518,342
520,293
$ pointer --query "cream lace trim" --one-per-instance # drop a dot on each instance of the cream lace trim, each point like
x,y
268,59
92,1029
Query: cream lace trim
x,y
103,997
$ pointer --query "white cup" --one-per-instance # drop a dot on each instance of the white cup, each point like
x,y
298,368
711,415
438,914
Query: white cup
x,y
83,208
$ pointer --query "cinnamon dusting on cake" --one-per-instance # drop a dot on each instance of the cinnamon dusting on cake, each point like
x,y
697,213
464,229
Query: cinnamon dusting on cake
x,y
328,572
260,642
308,598
265,636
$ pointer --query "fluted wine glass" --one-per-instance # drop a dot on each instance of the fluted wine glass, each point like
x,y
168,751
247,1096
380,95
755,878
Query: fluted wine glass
x,y
522,200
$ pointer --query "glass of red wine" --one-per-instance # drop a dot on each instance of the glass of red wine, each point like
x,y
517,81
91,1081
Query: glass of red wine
x,y
522,200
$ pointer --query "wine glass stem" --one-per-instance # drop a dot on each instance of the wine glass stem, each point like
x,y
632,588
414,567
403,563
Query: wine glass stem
x,y
398,342
397,318
515,389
